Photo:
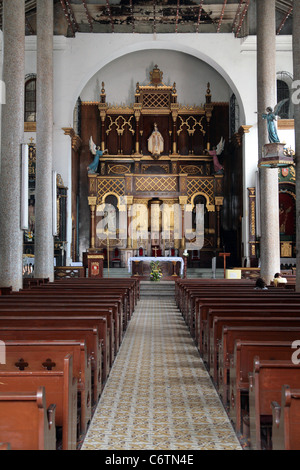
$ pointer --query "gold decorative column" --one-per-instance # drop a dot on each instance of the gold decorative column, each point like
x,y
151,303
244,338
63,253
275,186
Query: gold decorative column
x,y
103,110
129,202
182,202
92,203
218,203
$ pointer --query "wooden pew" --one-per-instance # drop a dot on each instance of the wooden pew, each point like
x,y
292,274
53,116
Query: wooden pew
x,y
265,386
109,294
258,329
80,299
286,419
253,311
27,423
61,389
80,317
87,334
40,355
242,363
242,300
108,310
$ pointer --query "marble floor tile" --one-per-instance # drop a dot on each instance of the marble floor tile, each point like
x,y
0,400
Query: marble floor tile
x,y
159,395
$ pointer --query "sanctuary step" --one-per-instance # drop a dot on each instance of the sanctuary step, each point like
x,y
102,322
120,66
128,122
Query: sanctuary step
x,y
157,289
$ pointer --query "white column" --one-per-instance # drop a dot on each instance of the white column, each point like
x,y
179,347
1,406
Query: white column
x,y
266,96
12,132
44,242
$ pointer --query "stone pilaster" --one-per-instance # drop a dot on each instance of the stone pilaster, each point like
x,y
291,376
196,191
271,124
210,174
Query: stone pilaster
x,y
266,96
296,60
44,246
11,236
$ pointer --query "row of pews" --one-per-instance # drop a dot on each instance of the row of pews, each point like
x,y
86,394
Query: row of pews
x,y
248,340
59,341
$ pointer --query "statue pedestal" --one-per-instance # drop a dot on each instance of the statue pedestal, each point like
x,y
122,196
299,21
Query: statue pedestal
x,y
274,155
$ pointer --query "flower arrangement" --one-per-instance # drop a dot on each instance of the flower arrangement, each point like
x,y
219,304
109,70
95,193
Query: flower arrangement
x,y
155,273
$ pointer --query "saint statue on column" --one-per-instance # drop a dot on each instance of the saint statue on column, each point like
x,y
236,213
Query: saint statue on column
x,y
156,143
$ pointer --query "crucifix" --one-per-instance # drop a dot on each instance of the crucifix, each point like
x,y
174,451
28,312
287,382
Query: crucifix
x,y
155,249
225,255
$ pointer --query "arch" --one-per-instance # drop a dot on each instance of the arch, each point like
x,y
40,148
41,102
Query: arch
x,y
162,45
200,194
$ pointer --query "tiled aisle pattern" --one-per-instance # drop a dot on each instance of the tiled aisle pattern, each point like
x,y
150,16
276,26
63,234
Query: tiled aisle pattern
x,y
159,395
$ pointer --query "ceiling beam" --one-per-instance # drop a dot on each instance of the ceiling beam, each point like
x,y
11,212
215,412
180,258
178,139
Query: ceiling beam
x,y
67,16
132,16
177,16
242,18
284,20
89,18
221,17
72,16
199,15
110,17
154,16
238,11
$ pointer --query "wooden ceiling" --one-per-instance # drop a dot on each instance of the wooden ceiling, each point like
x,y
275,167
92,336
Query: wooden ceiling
x,y
156,16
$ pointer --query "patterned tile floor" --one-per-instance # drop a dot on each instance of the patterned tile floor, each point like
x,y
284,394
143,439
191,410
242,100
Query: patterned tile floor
x,y
159,395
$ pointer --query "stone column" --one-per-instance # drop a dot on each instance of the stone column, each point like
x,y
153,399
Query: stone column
x,y
12,134
44,246
266,96
296,58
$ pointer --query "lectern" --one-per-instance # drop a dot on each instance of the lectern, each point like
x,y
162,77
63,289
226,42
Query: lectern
x,y
94,264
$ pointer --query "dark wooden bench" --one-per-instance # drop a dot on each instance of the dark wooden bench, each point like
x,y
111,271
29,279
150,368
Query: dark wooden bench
x,y
241,364
265,386
28,423
211,334
40,318
234,302
87,334
61,390
286,419
40,355
258,329
67,306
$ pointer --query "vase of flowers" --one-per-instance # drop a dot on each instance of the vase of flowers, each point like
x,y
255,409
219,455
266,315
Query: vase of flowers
x,y
155,274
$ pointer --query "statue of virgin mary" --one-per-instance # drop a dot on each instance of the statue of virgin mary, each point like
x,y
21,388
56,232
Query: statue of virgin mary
x,y
156,142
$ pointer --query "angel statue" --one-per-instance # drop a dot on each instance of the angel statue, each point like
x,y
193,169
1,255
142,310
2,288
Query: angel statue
x,y
215,152
95,150
271,118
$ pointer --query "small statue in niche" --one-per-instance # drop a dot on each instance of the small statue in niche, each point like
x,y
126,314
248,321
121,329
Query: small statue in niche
x,y
215,152
156,143
95,150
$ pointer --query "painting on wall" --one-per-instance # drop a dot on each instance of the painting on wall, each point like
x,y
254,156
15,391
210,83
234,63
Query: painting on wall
x,y
286,214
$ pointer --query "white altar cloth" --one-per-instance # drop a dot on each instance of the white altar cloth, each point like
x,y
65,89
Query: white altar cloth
x,y
152,258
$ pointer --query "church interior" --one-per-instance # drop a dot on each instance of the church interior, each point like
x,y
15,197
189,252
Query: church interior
x,y
148,184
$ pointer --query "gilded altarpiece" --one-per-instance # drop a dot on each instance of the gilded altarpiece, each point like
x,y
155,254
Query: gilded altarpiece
x,y
180,173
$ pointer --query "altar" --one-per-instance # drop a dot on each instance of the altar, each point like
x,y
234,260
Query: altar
x,y
171,267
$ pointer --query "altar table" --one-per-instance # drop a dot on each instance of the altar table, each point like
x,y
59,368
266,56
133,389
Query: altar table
x,y
140,265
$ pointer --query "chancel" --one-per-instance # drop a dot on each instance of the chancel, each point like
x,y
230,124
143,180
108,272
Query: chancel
x,y
149,192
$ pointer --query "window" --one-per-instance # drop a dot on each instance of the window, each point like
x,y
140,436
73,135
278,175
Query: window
x,y
30,99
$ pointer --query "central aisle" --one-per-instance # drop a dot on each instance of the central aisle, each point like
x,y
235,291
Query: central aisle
x,y
159,395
